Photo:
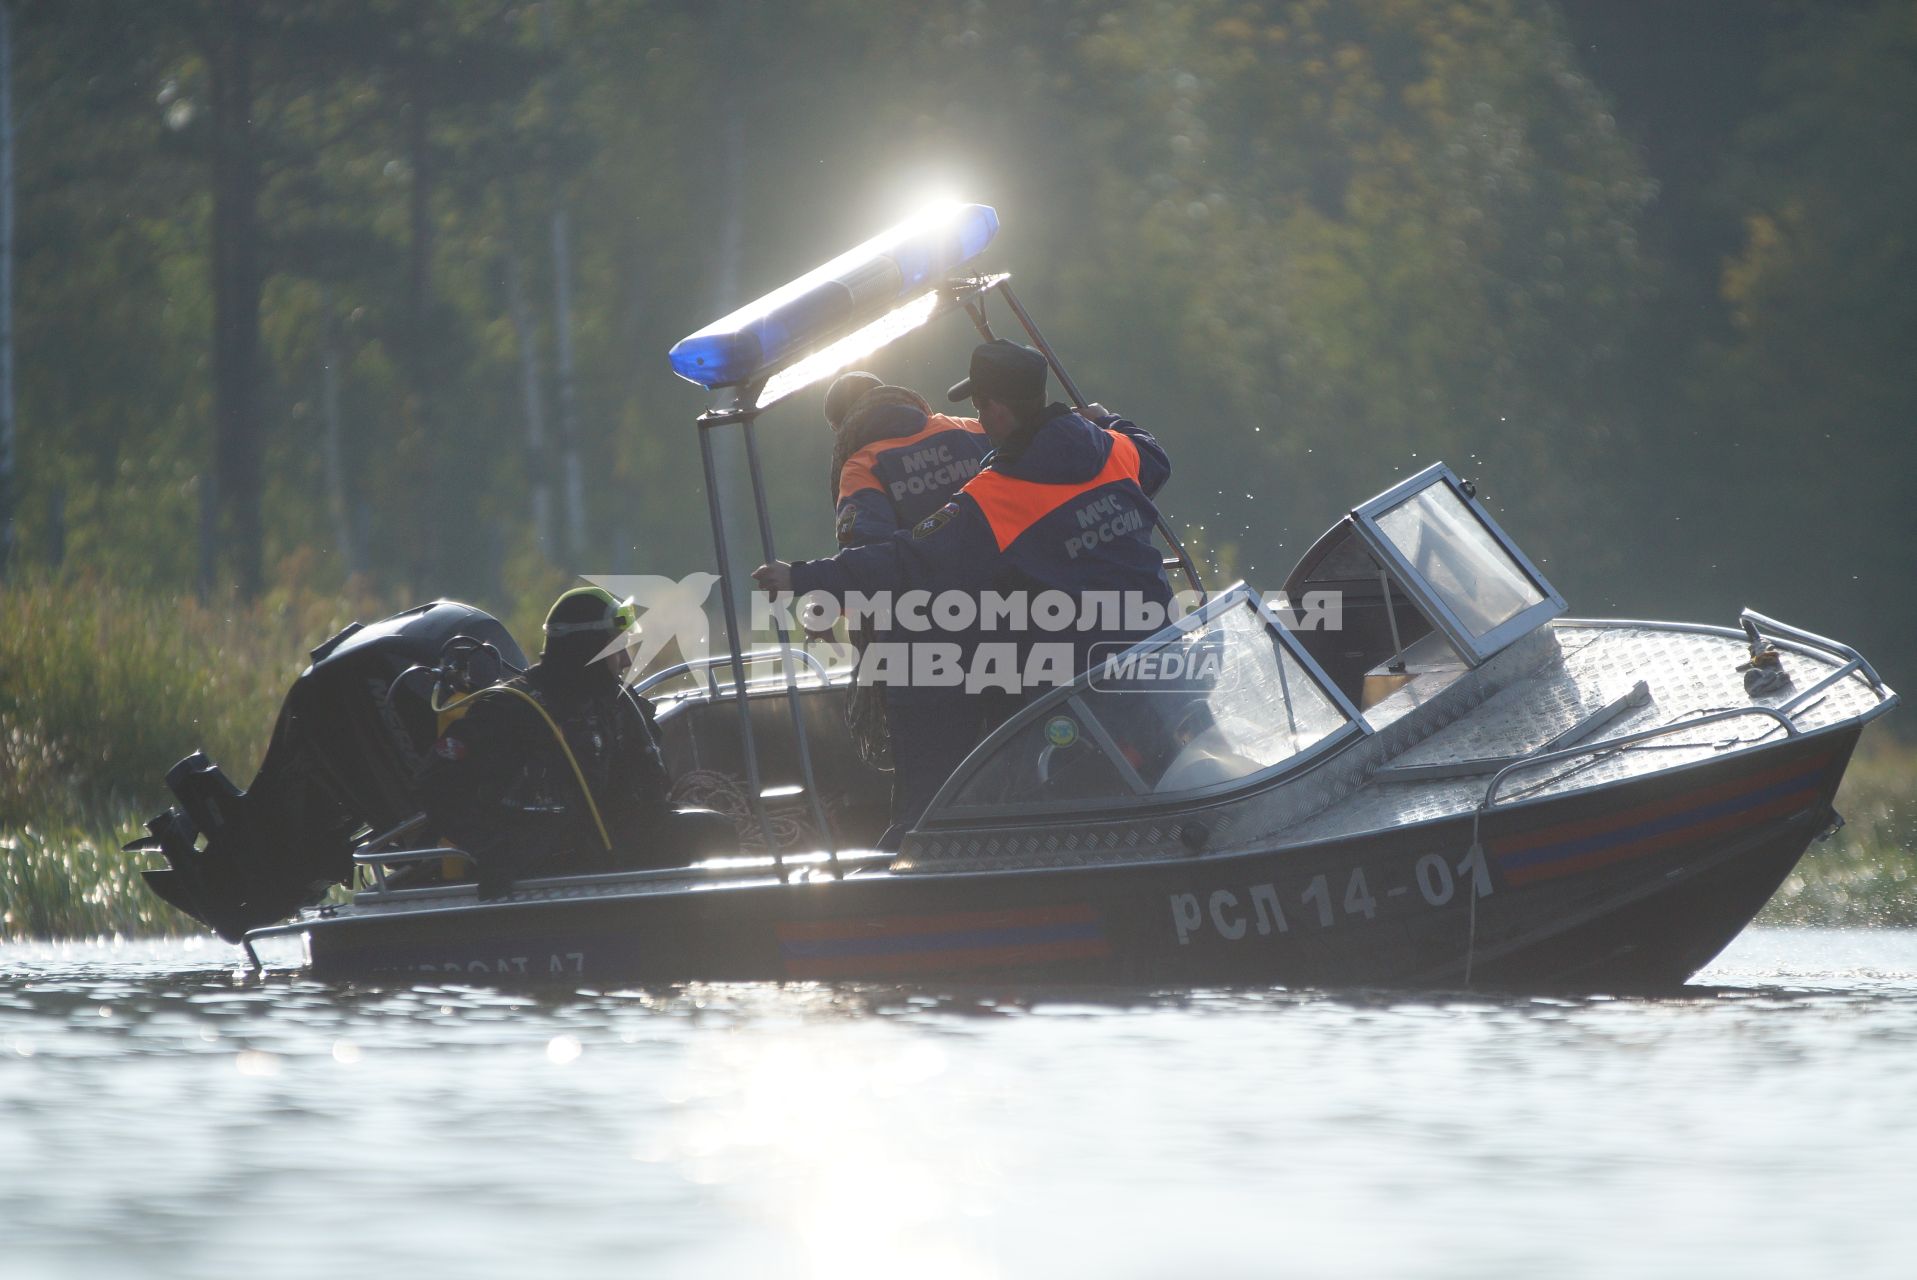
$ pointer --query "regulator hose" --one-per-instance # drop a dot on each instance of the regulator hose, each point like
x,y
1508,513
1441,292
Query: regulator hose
x,y
578,774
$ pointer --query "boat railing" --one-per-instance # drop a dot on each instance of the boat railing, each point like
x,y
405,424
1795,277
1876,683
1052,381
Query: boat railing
x,y
712,662
380,859
1815,694
733,871
1854,661
1624,740
374,843
1796,639
727,867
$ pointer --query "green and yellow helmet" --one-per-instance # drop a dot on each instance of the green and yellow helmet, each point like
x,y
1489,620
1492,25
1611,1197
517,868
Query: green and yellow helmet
x,y
591,614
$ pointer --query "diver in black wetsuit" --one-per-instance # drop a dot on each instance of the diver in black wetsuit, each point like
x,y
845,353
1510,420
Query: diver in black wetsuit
x,y
558,770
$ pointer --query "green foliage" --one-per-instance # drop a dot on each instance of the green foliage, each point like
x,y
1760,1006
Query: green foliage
x,y
102,689
1807,408
1865,875
1375,230
1389,232
66,884
1314,244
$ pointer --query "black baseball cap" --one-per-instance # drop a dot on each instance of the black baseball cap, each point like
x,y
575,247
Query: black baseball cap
x,y
845,392
1003,370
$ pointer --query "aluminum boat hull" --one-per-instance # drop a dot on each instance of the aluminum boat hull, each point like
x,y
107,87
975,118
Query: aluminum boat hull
x,y
1633,885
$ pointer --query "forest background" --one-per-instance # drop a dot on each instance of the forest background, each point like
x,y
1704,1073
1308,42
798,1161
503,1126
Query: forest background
x,y
320,309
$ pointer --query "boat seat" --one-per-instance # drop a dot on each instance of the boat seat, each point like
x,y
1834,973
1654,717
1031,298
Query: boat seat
x,y
705,754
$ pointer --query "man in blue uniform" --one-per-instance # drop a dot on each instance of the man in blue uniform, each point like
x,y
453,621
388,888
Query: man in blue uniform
x,y
1062,505
895,462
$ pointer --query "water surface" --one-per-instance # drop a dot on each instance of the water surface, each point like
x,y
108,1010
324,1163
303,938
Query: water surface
x,y
163,1114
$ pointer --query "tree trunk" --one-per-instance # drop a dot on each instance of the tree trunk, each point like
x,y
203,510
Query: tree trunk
x,y
236,294
538,464
57,525
430,559
6,288
572,471
568,404
338,504
208,574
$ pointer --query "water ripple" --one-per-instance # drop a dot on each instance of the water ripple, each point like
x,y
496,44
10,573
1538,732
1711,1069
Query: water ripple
x,y
164,1113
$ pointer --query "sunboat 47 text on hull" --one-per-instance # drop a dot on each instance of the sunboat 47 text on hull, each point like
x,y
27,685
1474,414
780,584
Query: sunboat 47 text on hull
x,y
1454,785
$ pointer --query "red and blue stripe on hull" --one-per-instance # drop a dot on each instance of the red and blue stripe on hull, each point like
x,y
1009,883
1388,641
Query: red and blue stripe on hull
x,y
1687,818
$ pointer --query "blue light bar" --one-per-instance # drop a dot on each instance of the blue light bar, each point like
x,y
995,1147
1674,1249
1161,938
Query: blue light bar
x,y
822,303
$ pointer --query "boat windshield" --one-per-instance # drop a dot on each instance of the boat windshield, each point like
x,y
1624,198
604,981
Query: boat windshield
x,y
1224,696
1466,577
1474,576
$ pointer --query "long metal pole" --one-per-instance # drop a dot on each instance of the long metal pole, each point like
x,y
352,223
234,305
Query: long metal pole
x,y
976,310
1185,565
753,798
1044,347
785,647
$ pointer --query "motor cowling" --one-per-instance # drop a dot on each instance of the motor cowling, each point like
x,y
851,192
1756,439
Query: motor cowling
x,y
345,754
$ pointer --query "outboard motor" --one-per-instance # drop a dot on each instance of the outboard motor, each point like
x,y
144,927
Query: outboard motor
x,y
345,754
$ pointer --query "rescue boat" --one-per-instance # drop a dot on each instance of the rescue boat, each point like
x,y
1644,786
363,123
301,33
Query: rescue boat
x,y
1407,769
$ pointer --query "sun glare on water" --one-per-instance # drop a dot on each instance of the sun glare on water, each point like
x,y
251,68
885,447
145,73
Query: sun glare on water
x,y
823,1138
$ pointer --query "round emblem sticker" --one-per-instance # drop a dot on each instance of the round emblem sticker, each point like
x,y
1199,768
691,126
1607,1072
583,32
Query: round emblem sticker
x,y
1061,731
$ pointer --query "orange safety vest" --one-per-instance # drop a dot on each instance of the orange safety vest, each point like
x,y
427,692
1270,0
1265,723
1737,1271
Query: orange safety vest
x,y
858,472
1012,505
